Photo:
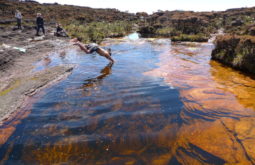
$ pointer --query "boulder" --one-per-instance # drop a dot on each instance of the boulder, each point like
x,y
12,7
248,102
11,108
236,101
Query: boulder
x,y
147,30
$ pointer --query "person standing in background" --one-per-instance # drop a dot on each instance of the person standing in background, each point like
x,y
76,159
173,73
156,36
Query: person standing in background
x,y
18,16
40,24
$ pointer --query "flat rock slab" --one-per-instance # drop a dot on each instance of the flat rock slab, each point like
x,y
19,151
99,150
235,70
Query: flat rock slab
x,y
13,96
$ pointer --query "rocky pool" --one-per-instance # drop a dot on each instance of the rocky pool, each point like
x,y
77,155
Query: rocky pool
x,y
160,103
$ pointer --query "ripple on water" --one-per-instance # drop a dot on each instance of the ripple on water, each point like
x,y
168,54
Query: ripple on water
x,y
214,112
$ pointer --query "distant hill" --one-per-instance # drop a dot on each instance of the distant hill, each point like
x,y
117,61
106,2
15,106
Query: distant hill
x,y
189,22
56,12
185,21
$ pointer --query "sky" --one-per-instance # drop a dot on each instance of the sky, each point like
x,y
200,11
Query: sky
x,y
150,6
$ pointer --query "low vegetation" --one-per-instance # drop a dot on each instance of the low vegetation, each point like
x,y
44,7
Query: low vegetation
x,y
197,26
189,28
97,31
191,38
55,12
236,51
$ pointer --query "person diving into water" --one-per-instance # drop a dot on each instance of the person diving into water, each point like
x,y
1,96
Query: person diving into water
x,y
93,47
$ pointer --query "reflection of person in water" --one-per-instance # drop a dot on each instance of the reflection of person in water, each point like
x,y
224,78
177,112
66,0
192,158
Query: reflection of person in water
x,y
90,48
104,73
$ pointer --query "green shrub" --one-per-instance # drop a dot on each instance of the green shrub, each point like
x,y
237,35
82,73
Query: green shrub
x,y
236,51
97,31
191,38
167,32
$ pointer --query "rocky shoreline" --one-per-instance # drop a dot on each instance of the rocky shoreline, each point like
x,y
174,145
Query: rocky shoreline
x,y
20,50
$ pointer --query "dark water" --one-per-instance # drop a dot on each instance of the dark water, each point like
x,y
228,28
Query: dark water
x,y
160,103
98,112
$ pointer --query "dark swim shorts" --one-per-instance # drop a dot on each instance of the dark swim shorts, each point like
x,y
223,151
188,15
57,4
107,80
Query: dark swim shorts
x,y
92,47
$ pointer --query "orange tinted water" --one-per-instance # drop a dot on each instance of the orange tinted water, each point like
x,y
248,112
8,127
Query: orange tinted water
x,y
161,103
219,105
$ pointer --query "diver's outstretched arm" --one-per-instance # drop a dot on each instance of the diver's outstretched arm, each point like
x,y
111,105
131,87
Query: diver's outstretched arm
x,y
109,58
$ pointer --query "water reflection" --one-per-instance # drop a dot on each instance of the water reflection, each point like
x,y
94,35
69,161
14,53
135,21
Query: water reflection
x,y
96,81
242,85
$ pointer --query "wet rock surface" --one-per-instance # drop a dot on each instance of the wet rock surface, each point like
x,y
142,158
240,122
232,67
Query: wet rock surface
x,y
12,96
14,41
19,50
